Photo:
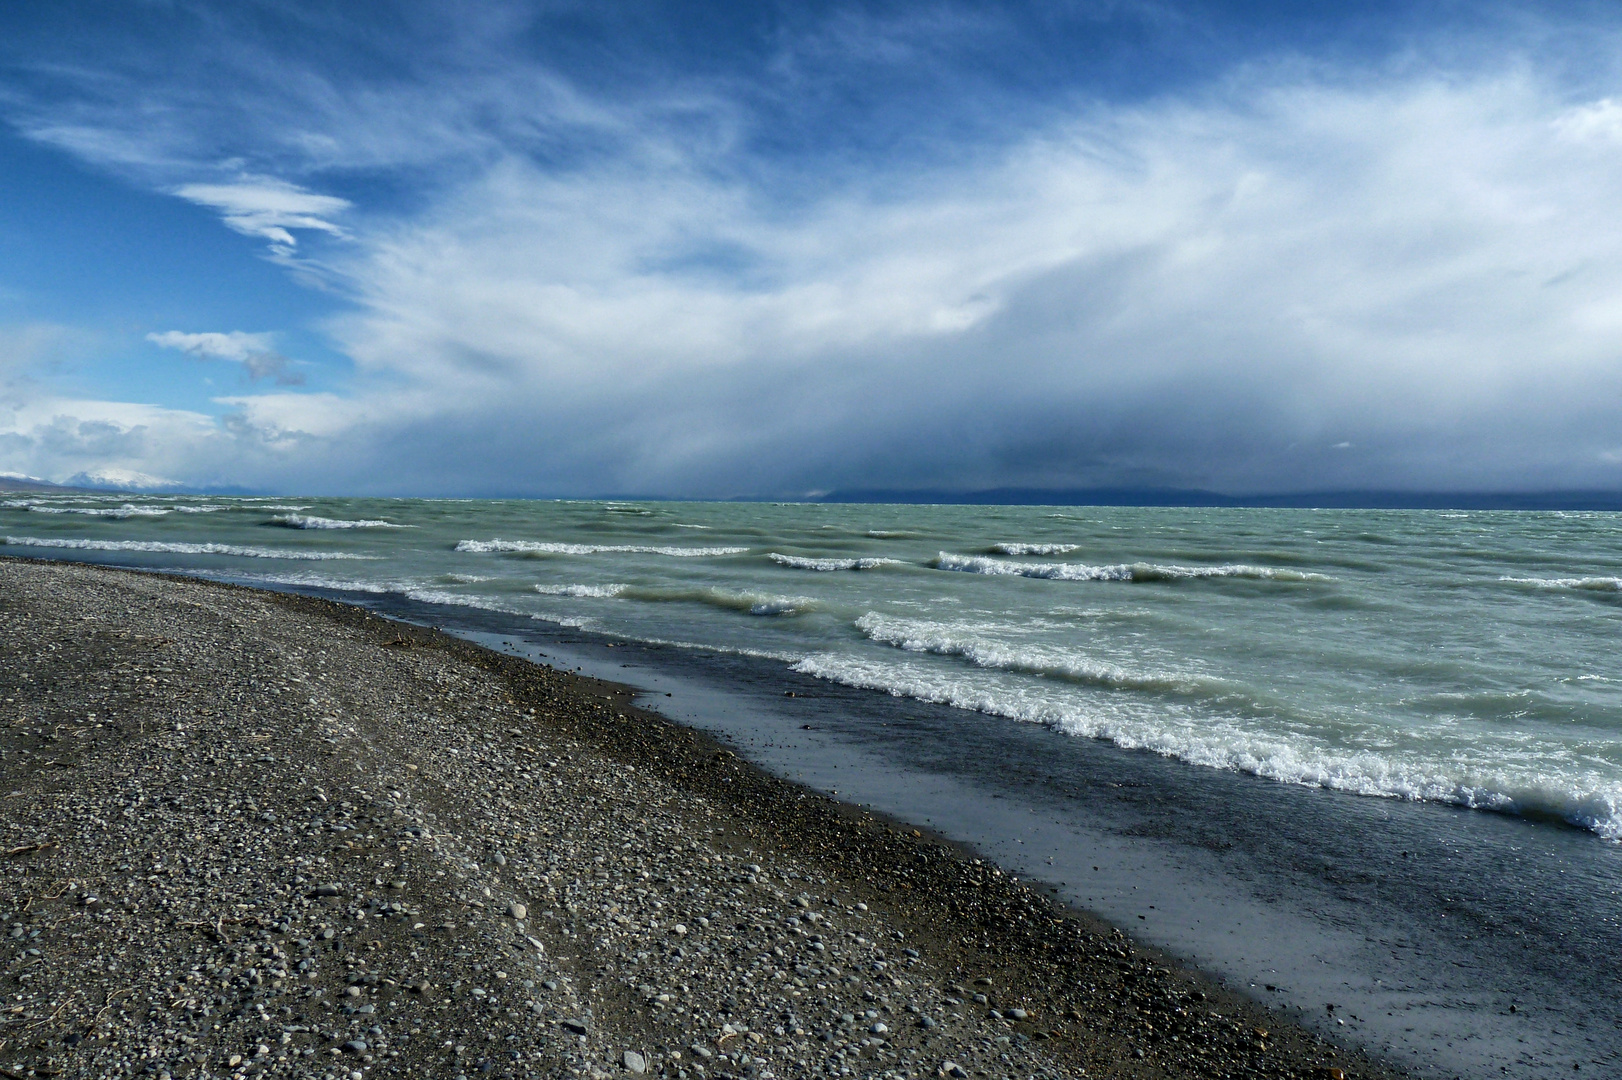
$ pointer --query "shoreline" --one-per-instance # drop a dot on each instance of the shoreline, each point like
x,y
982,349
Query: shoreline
x,y
1088,1000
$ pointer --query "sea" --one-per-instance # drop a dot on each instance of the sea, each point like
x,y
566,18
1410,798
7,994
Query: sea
x,y
1369,759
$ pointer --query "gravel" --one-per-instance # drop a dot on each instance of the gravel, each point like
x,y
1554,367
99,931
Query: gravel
x,y
247,834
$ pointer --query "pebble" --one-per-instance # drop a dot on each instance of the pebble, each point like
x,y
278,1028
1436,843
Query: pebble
x,y
318,759
634,1062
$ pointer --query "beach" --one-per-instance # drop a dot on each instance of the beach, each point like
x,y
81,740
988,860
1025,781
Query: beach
x,y
258,834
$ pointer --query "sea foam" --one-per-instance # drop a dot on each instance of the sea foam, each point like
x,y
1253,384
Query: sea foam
x,y
1033,549
310,521
799,562
1141,571
179,548
533,547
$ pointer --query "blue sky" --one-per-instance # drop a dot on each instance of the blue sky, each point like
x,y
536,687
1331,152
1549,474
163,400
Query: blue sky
x,y
774,250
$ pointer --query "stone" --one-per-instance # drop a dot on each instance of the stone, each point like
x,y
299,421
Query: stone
x,y
329,890
518,911
1018,1014
879,1028
355,1046
952,1068
578,1027
634,1062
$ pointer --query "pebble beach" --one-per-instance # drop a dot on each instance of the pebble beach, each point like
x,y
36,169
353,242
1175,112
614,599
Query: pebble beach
x,y
251,834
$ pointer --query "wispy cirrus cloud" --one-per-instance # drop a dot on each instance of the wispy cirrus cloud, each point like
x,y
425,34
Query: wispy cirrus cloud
x,y
268,208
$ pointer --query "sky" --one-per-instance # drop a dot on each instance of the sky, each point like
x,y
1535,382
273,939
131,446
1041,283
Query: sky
x,y
718,250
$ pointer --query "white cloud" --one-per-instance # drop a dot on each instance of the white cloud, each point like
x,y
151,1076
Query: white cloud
x,y
255,352
1295,278
266,207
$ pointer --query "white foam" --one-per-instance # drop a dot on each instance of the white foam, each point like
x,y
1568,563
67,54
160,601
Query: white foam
x,y
798,562
1584,584
209,509
602,592
533,547
178,548
1033,549
1586,798
1117,572
918,635
301,521
121,513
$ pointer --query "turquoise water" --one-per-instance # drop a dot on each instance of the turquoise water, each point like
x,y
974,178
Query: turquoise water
x,y
1463,658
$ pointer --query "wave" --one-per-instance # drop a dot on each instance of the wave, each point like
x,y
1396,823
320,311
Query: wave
x,y
600,592
1138,572
1033,549
209,509
1586,800
179,548
120,513
925,637
1582,584
799,562
301,521
531,547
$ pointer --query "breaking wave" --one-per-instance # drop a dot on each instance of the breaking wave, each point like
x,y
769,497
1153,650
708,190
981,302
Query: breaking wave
x,y
303,521
1033,549
1582,584
1586,800
600,592
1138,572
179,548
532,547
798,562
120,513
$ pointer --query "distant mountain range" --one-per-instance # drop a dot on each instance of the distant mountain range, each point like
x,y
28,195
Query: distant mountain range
x,y
101,480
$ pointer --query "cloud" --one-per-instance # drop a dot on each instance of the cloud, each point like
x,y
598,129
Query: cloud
x,y
1298,274
253,351
268,208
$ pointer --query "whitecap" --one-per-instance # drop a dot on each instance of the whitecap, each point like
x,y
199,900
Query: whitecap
x,y
603,592
179,548
798,562
1033,549
1117,572
301,521
532,547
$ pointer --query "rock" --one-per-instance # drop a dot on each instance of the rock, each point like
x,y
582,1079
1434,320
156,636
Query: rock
x,y
952,1068
329,890
634,1062
500,860
578,1027
518,911
701,1051
879,1028
1018,1014
355,1046
679,930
